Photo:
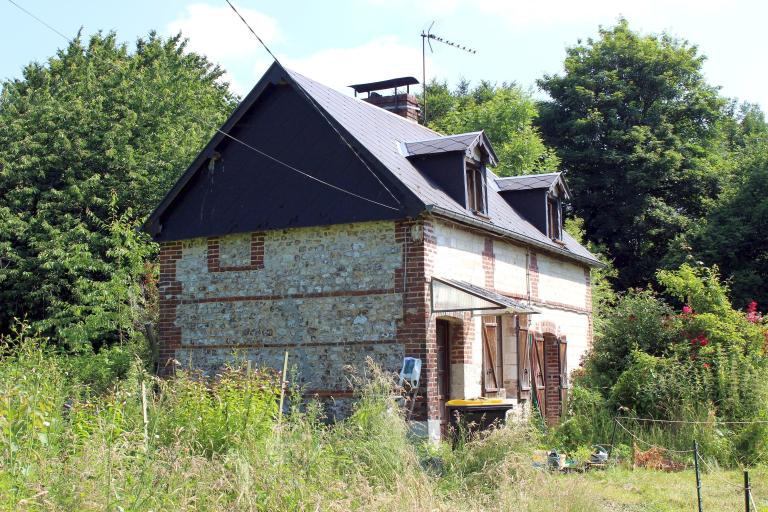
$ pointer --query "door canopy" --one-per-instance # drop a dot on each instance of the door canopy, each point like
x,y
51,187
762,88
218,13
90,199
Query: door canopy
x,y
451,295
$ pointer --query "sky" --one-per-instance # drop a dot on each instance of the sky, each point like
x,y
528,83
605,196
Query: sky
x,y
342,42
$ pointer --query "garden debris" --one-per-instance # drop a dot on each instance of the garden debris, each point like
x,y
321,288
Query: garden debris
x,y
655,458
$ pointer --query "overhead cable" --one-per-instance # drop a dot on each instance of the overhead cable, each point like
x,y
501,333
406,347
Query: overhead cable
x,y
222,132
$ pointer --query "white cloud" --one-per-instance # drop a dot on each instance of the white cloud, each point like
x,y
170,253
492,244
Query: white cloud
x,y
218,33
535,14
378,59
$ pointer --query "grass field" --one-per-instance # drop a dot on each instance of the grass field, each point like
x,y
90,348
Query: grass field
x,y
145,444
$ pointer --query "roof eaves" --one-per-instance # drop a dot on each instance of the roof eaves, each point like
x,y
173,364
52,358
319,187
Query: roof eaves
x,y
442,212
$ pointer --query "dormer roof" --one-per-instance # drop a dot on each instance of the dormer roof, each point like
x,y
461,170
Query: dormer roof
x,y
466,142
550,181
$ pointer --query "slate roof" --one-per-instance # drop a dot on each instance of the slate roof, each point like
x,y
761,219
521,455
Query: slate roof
x,y
529,181
447,143
382,133
378,135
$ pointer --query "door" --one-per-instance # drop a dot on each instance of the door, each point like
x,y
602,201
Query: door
x,y
443,371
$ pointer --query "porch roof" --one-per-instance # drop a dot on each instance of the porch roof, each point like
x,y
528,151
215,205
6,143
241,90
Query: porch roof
x,y
452,295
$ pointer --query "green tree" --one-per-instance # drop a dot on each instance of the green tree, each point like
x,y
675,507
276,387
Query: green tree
x,y
639,132
505,112
733,234
94,136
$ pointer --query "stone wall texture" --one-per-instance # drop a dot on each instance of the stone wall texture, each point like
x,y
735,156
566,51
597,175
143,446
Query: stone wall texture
x,y
335,295
332,296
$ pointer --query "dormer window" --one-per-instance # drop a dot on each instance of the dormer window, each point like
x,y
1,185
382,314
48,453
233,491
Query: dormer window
x,y
476,189
538,198
554,218
456,164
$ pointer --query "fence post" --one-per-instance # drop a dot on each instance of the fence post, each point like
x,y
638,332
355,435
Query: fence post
x,y
696,467
613,435
747,491
282,388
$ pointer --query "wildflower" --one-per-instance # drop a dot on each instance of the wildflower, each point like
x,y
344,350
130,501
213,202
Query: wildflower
x,y
703,342
705,365
753,315
687,310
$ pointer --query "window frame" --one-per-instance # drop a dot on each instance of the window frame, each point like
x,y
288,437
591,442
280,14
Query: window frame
x,y
476,187
554,218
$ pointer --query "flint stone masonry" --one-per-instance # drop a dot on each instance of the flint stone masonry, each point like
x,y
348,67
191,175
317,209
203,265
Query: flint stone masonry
x,y
327,294
348,257
291,321
235,251
319,368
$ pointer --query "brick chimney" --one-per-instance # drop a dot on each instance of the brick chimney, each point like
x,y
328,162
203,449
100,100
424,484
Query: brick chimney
x,y
403,104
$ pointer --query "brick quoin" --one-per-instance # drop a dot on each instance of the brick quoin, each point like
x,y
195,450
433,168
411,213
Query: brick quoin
x,y
417,240
169,292
533,276
552,379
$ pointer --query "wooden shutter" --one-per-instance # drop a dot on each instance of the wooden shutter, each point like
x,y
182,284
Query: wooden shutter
x,y
564,384
538,377
524,363
491,377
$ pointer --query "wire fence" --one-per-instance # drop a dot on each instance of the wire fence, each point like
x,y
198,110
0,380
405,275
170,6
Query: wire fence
x,y
712,472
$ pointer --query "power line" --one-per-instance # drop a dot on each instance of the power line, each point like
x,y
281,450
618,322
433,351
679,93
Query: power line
x,y
219,130
314,104
38,19
694,422
646,443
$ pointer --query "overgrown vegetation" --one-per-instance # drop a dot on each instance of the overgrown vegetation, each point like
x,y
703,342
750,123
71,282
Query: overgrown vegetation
x,y
90,141
67,443
702,370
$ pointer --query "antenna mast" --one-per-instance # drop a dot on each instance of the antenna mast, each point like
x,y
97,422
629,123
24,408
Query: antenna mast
x,y
426,39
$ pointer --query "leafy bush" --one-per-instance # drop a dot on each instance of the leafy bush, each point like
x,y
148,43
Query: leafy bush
x,y
640,321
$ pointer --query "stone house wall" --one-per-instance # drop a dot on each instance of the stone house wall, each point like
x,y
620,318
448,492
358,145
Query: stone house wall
x,y
334,295
330,295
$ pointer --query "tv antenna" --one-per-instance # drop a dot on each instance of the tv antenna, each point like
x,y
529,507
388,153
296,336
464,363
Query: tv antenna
x,y
426,39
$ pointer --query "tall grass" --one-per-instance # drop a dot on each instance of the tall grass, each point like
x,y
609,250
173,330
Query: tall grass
x,y
215,444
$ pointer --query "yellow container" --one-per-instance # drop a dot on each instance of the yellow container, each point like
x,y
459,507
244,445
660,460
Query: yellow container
x,y
477,402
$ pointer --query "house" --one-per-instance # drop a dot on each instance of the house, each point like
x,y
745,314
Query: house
x,y
339,229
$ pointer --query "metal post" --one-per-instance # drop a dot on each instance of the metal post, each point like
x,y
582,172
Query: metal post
x,y
424,77
613,434
747,491
696,467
